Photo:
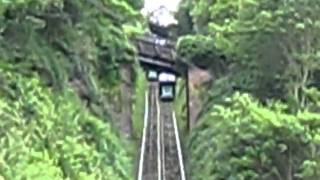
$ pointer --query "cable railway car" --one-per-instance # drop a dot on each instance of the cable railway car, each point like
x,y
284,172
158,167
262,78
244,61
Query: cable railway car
x,y
167,84
152,75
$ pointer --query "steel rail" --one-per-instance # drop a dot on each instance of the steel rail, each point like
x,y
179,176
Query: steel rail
x,y
159,145
144,134
182,170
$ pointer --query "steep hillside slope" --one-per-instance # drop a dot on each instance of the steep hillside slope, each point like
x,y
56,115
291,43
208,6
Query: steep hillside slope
x,y
61,74
260,112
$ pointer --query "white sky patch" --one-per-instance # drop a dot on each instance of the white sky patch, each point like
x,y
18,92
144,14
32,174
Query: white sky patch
x,y
151,5
165,18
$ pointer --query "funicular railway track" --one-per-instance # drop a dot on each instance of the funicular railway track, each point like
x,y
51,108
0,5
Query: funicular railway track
x,y
172,168
160,151
148,167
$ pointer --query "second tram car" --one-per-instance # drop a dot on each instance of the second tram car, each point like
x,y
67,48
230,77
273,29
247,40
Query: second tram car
x,y
152,75
167,82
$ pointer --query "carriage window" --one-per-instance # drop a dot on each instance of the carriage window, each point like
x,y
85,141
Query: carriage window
x,y
167,90
152,74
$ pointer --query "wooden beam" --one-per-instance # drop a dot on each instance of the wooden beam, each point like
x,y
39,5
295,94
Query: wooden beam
x,y
156,62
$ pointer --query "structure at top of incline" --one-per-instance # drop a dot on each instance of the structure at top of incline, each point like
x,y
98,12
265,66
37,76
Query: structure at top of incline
x,y
155,49
157,53
152,46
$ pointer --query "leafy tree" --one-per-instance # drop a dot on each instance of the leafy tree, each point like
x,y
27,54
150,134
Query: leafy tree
x,y
271,46
246,140
270,51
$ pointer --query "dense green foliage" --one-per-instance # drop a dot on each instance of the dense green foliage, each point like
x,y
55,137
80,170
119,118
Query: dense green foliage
x,y
67,40
269,49
245,140
59,74
139,103
49,136
180,107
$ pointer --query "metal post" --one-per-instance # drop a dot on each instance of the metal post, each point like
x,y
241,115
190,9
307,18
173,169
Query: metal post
x,y
188,101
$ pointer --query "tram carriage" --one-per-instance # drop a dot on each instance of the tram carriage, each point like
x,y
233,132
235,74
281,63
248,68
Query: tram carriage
x,y
167,84
152,75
